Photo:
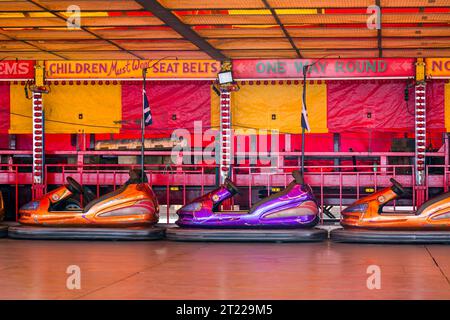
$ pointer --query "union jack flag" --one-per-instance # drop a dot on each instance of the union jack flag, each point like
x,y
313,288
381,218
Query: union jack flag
x,y
148,120
305,122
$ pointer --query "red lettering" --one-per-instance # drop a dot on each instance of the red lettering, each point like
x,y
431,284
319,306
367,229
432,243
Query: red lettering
x,y
447,65
162,67
14,69
193,67
436,65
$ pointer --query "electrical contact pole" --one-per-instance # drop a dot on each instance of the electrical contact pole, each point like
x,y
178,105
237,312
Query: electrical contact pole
x,y
305,69
304,109
144,73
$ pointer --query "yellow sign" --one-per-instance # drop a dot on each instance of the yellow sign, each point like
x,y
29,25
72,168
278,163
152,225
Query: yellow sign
x,y
132,69
99,111
437,67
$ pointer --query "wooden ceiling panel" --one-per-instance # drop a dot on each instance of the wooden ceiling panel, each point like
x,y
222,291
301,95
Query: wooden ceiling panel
x,y
31,22
417,32
251,43
416,18
414,3
215,19
330,43
85,22
3,36
17,6
416,53
287,19
156,45
331,32
97,55
355,3
173,54
91,5
47,34
120,21
320,3
442,42
260,54
241,32
215,4
28,55
324,32
369,53
302,19
74,45
285,4
317,53
16,46
134,33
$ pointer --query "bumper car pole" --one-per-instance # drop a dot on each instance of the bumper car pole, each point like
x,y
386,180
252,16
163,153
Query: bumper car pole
x,y
420,125
38,122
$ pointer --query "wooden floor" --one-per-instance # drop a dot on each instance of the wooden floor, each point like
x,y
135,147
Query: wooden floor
x,y
171,270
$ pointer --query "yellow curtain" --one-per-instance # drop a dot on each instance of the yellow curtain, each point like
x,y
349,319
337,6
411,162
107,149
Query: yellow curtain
x,y
70,109
276,107
447,107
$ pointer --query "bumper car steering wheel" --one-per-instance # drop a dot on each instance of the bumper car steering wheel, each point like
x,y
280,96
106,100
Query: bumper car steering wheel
x,y
231,187
397,187
74,186
298,176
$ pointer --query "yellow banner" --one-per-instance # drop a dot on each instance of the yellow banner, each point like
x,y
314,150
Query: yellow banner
x,y
132,69
447,106
275,107
437,67
88,109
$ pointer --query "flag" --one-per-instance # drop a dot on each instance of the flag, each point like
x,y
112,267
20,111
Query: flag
x,y
305,122
148,120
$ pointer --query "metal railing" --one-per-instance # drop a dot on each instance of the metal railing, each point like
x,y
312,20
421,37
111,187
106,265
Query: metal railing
x,y
178,184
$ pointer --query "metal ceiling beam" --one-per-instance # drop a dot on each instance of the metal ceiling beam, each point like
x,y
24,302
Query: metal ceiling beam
x,y
379,35
172,21
286,33
60,16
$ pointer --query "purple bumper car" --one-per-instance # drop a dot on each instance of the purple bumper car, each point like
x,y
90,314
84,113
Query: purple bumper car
x,y
293,207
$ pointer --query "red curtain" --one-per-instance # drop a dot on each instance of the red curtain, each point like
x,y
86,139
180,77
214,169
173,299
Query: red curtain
x,y
53,142
173,105
4,107
363,106
436,105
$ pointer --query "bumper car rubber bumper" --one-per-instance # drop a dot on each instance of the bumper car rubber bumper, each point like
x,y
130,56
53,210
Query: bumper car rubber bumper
x,y
51,233
390,236
246,235
3,231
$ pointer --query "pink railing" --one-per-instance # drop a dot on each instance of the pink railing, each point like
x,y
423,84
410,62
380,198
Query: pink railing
x,y
345,185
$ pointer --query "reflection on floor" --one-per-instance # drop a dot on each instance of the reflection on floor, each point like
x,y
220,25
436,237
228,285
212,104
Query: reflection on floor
x,y
171,270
